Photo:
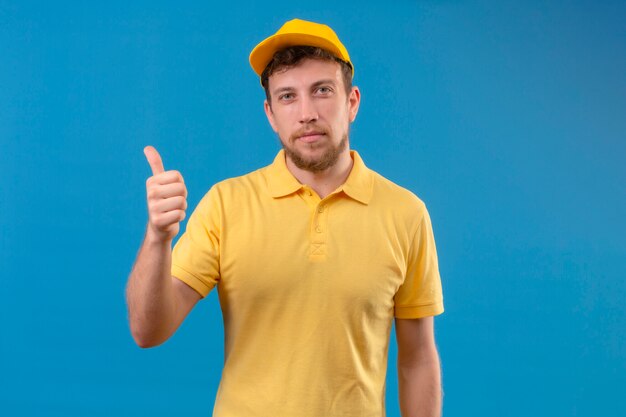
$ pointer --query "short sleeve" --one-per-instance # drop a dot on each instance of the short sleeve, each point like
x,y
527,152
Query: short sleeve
x,y
420,294
195,257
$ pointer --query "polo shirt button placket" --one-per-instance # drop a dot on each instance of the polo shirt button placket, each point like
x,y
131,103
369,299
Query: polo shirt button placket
x,y
318,236
309,197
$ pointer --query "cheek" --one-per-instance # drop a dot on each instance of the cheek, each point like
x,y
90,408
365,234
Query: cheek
x,y
283,118
282,129
340,118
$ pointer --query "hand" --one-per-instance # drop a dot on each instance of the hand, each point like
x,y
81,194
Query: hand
x,y
167,199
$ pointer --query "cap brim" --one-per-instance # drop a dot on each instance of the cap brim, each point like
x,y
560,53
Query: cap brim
x,y
262,54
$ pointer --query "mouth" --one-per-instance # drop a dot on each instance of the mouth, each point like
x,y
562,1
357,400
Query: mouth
x,y
310,137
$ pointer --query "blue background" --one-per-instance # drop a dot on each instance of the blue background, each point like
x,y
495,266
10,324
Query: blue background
x,y
507,118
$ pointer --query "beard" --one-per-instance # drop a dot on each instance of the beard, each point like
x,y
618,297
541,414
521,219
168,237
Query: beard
x,y
326,160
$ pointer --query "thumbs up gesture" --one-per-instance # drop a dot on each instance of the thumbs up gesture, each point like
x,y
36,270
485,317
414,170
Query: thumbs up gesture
x,y
167,199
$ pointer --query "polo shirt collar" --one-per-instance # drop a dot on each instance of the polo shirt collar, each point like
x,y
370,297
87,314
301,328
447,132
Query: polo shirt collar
x,y
358,185
279,179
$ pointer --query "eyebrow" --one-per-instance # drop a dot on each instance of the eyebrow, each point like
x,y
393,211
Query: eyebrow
x,y
282,90
315,84
320,82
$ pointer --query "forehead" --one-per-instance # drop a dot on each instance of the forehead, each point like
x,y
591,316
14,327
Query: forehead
x,y
305,73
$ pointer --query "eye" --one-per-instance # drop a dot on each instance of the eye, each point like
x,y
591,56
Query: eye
x,y
324,90
285,97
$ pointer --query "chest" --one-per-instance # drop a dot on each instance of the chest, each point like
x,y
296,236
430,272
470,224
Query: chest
x,y
324,254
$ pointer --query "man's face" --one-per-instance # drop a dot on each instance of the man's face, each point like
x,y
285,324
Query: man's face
x,y
311,113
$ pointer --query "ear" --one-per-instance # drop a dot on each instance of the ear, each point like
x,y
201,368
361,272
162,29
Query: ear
x,y
270,115
354,99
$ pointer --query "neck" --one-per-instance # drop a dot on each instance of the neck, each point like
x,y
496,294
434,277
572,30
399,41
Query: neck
x,y
327,181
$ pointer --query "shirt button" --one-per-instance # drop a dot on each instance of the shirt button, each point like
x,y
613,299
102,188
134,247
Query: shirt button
x,y
318,229
320,209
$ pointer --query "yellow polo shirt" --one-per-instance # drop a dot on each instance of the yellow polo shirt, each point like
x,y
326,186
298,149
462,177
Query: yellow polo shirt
x,y
308,287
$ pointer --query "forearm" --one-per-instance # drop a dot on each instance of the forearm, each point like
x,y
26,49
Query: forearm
x,y
150,294
419,385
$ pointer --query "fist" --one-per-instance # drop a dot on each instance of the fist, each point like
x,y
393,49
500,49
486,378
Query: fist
x,y
167,199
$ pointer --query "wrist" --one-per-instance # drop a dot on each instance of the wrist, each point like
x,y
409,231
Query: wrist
x,y
154,239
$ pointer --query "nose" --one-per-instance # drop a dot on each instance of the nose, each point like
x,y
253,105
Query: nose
x,y
308,112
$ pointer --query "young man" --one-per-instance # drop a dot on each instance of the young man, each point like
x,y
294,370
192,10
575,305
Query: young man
x,y
312,256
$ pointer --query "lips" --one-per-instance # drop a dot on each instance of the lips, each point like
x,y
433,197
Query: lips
x,y
311,136
308,134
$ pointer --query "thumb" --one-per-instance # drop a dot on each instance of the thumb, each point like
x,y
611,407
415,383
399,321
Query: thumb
x,y
154,159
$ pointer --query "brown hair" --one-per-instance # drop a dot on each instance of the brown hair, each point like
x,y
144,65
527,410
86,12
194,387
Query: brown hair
x,y
290,57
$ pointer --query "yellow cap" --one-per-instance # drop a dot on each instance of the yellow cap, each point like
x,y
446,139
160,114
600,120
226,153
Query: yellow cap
x,y
298,32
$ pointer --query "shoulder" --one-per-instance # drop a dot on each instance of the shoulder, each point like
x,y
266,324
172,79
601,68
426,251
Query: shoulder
x,y
235,188
398,208
391,195
252,180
